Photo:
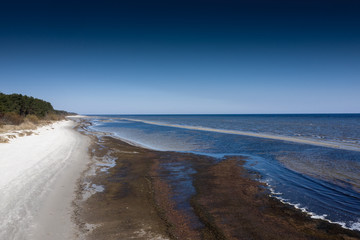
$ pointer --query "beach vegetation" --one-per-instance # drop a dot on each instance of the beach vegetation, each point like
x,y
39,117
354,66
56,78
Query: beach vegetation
x,y
53,117
12,118
32,118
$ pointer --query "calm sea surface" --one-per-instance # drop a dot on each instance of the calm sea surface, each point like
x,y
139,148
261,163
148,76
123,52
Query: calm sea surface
x,y
321,180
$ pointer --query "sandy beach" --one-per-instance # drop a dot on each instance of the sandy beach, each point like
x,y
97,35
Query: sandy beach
x,y
38,175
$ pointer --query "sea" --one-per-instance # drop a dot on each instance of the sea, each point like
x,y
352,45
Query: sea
x,y
310,161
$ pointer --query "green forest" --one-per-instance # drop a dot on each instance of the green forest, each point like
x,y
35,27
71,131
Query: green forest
x,y
15,108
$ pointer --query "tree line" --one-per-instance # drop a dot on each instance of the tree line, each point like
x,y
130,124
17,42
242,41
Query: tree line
x,y
15,108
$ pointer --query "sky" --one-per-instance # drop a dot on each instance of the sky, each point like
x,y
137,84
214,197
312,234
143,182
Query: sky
x,y
178,57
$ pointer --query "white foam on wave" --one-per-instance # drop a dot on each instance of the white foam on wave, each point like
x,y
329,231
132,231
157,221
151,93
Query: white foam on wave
x,y
352,225
355,225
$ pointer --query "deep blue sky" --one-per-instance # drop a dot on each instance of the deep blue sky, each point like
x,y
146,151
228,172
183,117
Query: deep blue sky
x,y
141,56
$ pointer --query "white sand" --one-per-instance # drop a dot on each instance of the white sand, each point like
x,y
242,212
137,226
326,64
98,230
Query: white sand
x,y
38,175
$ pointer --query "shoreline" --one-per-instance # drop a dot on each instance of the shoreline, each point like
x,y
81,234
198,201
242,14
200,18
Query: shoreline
x,y
39,175
65,182
271,193
161,175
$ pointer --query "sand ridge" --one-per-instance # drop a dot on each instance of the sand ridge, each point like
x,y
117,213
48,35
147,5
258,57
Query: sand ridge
x,y
328,144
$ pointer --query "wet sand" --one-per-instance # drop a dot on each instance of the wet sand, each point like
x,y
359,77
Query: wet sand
x,y
147,195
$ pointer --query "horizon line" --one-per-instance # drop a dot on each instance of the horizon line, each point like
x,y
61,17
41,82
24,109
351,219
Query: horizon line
x,y
336,113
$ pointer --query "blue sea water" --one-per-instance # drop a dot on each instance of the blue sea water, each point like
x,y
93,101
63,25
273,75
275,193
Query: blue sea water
x,y
323,181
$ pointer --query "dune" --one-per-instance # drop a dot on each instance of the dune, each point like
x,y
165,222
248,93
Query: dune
x,y
38,175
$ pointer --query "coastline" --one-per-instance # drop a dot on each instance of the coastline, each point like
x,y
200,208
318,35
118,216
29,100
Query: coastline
x,y
39,175
146,195
64,182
